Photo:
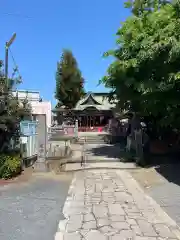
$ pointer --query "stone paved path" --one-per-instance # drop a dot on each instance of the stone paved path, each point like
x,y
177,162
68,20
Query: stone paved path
x,y
110,205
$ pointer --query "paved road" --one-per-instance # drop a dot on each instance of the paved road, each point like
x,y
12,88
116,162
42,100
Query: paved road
x,y
32,210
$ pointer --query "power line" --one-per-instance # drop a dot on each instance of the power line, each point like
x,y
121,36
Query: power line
x,y
16,15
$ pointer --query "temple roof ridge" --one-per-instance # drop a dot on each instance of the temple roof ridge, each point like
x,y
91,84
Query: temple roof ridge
x,y
90,99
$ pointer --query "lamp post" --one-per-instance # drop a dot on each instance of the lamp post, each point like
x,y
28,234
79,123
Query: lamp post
x,y
8,44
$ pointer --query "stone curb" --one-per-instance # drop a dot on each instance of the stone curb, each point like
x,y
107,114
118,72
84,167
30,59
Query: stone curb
x,y
59,236
62,223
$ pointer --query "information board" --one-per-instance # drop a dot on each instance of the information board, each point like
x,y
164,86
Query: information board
x,y
28,128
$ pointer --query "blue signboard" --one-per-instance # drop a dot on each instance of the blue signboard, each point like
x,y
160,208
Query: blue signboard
x,y
28,128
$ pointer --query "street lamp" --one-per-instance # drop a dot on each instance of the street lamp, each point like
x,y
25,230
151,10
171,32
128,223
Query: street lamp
x,y
8,44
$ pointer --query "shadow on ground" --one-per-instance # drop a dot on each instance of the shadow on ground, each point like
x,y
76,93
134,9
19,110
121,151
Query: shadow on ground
x,y
170,172
168,166
110,151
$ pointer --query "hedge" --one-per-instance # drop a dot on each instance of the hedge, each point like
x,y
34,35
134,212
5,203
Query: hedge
x,y
10,165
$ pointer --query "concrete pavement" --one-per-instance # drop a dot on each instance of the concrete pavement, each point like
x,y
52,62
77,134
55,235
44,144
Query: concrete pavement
x,y
31,210
167,194
110,205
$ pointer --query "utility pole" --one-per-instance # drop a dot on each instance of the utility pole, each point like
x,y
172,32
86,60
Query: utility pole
x,y
8,44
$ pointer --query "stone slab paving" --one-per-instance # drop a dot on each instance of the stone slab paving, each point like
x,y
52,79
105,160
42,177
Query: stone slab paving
x,y
110,205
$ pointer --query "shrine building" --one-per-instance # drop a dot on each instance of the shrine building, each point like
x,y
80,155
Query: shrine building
x,y
92,111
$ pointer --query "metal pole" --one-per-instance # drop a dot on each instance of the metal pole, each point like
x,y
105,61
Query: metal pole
x,y
6,74
6,61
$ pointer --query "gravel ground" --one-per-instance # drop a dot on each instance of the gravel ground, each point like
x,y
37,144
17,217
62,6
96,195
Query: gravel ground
x,y
32,209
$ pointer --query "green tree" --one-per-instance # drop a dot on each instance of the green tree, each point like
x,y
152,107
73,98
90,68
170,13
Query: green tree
x,y
11,111
145,75
69,81
140,7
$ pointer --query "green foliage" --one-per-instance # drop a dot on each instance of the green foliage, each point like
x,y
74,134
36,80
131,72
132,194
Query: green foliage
x,y
145,75
141,7
69,81
11,111
10,166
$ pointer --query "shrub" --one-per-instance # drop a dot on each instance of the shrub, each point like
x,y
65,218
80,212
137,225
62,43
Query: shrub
x,y
10,165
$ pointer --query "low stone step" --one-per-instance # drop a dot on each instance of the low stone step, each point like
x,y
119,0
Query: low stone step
x,y
91,139
99,165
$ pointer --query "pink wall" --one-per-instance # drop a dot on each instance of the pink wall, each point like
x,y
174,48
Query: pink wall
x,y
42,108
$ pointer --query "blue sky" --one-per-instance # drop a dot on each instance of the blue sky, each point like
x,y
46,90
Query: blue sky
x,y
44,28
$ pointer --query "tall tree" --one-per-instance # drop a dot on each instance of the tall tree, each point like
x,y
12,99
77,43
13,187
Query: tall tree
x,y
69,81
146,72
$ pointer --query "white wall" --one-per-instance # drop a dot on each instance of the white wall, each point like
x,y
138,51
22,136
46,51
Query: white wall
x,y
30,95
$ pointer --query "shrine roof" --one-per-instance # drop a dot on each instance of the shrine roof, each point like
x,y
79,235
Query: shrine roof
x,y
91,100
